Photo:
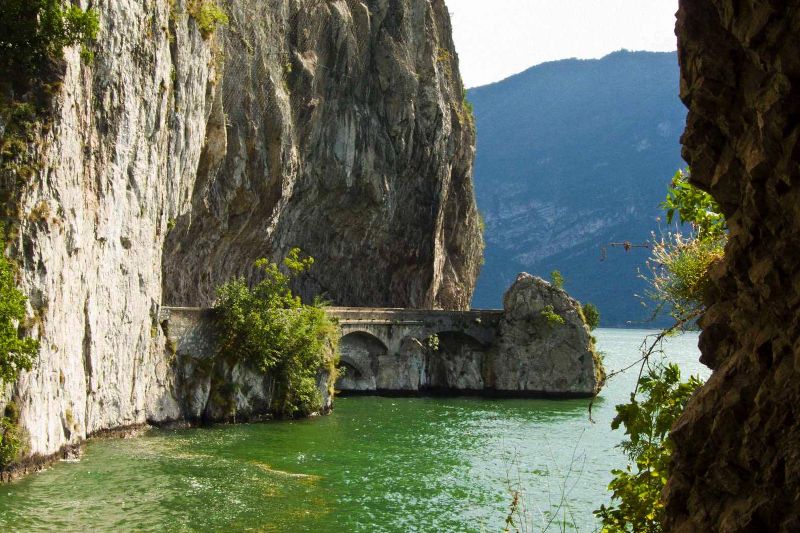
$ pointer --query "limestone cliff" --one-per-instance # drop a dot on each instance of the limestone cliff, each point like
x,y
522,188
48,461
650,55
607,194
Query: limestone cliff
x,y
339,128
176,158
737,457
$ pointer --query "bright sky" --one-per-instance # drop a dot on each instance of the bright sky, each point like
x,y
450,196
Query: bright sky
x,y
497,38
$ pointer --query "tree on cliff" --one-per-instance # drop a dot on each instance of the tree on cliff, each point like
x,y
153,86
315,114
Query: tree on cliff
x,y
270,329
34,31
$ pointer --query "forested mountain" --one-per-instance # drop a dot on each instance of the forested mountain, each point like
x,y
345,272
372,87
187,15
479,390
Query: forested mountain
x,y
574,155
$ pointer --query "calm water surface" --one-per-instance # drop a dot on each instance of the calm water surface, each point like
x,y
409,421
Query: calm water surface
x,y
376,464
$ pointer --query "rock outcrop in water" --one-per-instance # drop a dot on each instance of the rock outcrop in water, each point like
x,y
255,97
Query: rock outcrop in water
x,y
174,160
737,456
539,345
534,352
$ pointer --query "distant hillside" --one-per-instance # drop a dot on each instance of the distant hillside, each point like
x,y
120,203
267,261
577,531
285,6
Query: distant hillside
x,y
573,155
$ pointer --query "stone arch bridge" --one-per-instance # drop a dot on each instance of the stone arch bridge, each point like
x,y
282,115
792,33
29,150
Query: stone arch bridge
x,y
397,350
408,351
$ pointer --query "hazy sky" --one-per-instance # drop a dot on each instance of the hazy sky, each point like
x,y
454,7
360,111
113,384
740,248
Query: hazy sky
x,y
498,38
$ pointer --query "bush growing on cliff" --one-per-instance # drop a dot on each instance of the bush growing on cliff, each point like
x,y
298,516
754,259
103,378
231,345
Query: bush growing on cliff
x,y
591,315
553,318
208,16
679,277
679,269
679,266
33,31
11,442
17,353
557,279
269,328
636,494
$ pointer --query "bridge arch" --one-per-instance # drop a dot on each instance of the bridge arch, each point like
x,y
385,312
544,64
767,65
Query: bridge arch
x,y
359,352
458,362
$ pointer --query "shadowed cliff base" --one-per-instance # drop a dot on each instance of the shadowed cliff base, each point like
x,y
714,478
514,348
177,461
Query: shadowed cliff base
x,y
737,454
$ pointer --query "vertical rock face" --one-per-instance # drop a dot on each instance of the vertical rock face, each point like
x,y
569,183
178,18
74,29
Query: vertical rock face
x,y
116,165
344,134
737,458
174,161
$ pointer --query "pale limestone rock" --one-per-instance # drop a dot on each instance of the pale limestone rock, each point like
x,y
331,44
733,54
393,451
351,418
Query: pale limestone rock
x,y
532,353
173,162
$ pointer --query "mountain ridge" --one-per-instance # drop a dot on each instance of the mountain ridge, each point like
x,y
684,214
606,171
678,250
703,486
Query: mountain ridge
x,y
573,155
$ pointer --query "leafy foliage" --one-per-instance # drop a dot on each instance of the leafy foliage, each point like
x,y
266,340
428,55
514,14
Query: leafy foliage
x,y
694,206
636,493
11,441
678,273
269,328
556,279
591,315
208,16
679,265
33,31
432,343
468,106
16,353
553,318
679,269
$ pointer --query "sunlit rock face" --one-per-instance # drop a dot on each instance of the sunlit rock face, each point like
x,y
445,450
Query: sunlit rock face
x,y
173,162
737,458
535,353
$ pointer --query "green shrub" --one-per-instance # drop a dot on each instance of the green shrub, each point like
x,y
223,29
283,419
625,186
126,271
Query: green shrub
x,y
556,279
553,318
11,442
33,31
432,343
208,16
636,503
271,330
17,353
679,272
679,279
591,315
468,106
694,206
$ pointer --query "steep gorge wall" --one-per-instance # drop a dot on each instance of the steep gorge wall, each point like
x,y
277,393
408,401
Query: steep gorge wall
x,y
345,135
174,161
737,457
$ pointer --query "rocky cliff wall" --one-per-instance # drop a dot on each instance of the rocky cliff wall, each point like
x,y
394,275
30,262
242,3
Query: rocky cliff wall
x,y
339,128
174,160
737,457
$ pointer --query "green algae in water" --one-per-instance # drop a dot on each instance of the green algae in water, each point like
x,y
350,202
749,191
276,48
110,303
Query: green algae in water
x,y
375,464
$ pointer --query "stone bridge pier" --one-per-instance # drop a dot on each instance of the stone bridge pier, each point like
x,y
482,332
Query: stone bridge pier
x,y
407,350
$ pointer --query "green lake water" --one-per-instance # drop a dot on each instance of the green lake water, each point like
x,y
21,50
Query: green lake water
x,y
376,464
